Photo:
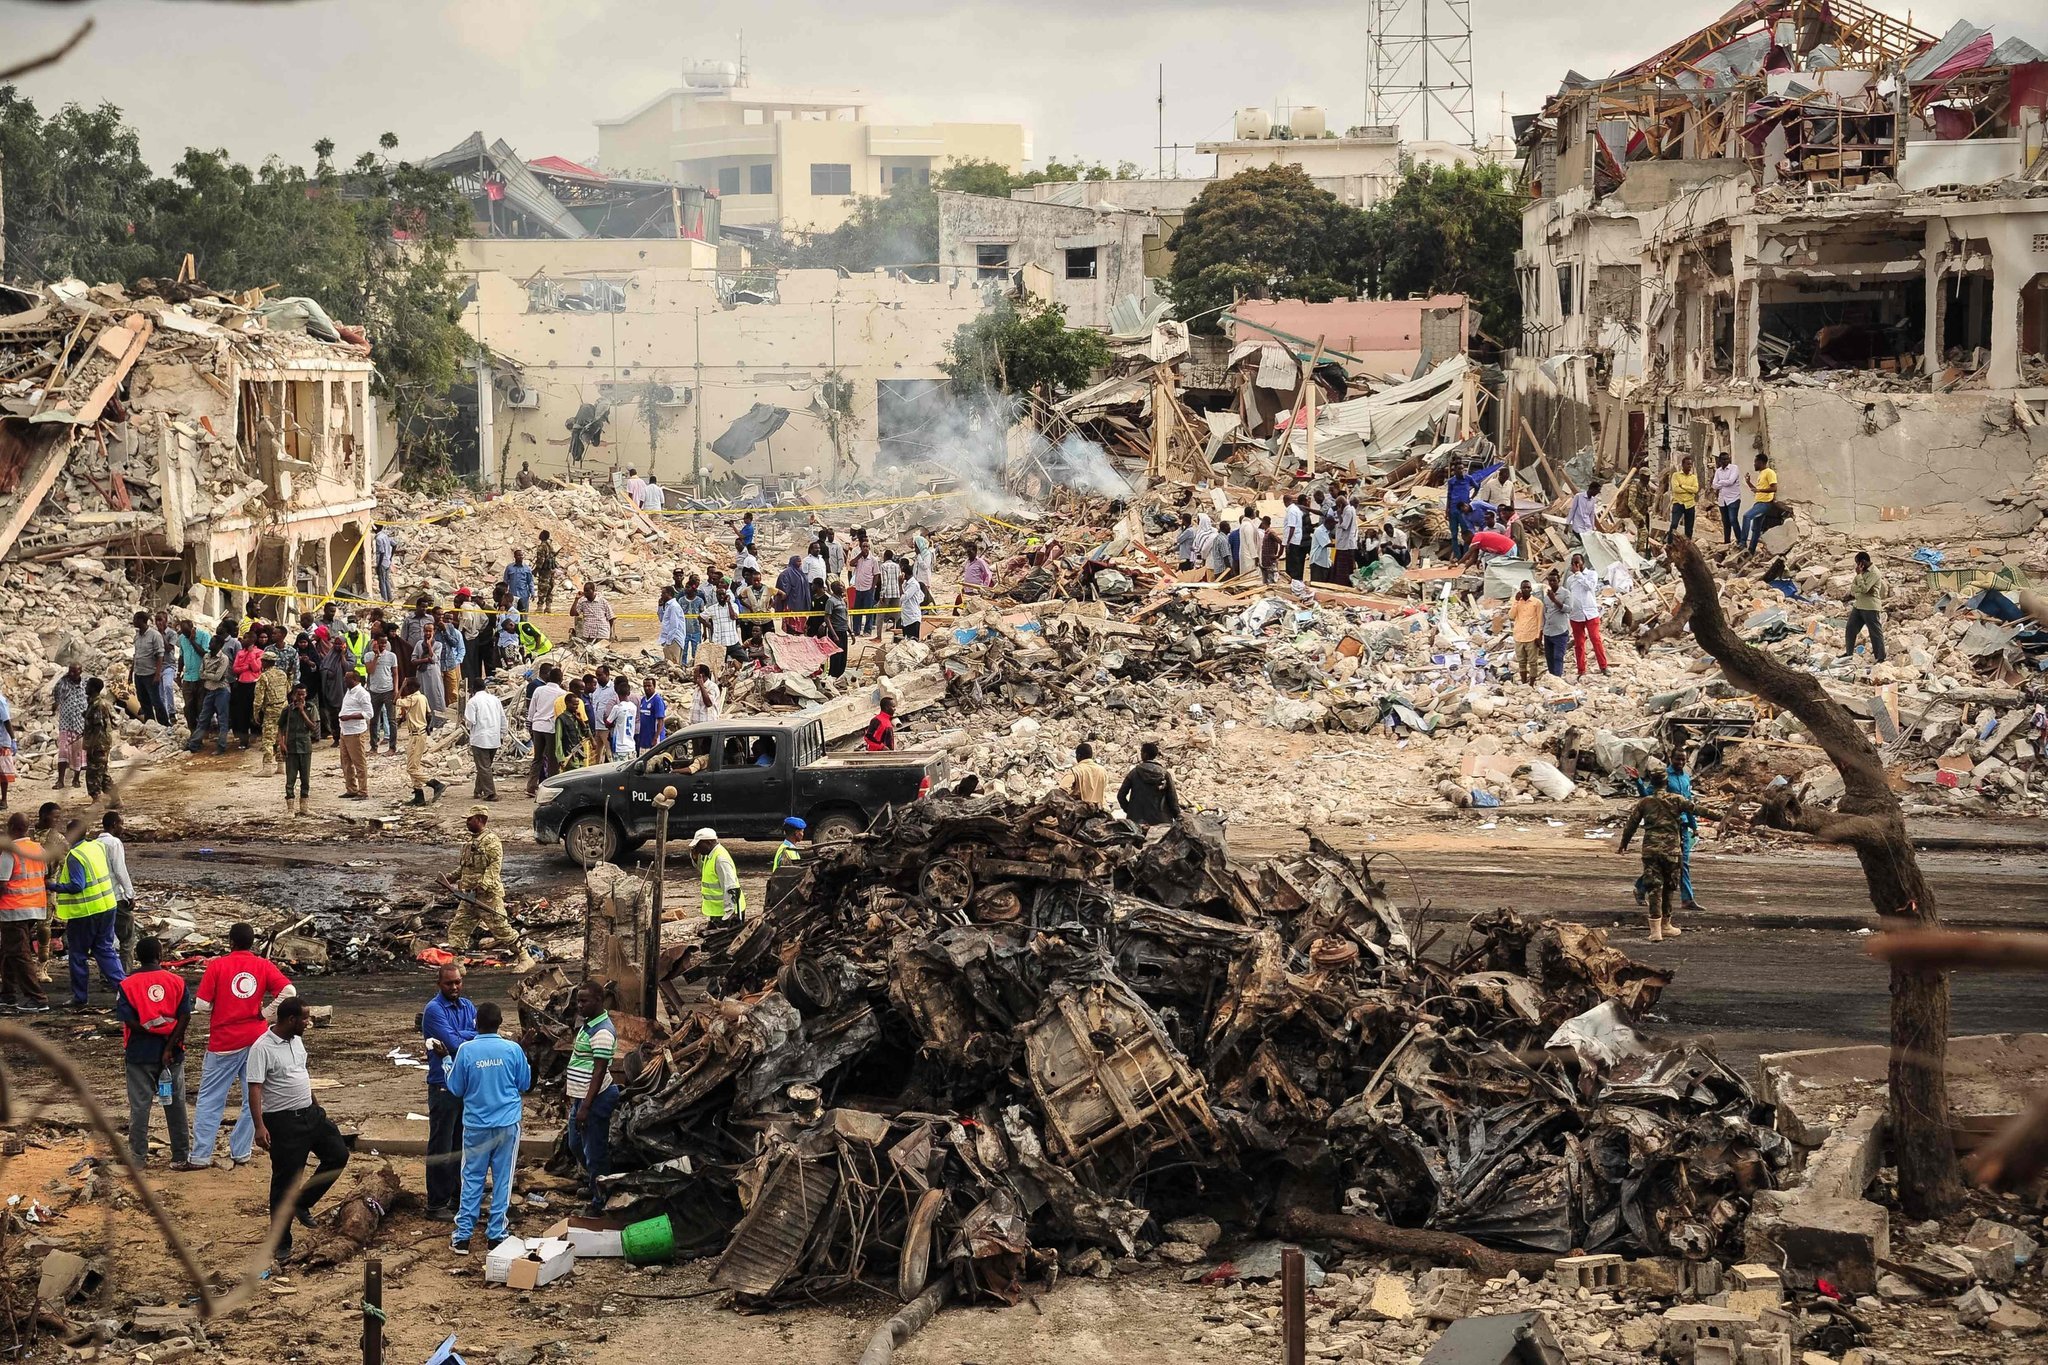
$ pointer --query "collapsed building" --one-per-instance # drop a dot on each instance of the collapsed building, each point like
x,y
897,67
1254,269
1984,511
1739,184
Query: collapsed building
x,y
189,437
1809,229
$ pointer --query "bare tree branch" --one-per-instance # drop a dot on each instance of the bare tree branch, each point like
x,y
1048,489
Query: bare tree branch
x,y
48,58
1868,819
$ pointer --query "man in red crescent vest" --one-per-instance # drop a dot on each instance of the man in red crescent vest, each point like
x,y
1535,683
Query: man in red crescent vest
x,y
155,1008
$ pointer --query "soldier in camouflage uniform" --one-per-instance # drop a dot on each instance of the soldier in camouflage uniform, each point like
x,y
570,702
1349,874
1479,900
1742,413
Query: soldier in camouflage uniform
x,y
481,878
99,738
1661,817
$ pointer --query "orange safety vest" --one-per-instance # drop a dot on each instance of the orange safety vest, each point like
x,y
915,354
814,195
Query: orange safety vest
x,y
25,889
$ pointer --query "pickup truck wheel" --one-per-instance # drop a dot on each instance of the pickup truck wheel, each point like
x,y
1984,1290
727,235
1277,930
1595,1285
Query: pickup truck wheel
x,y
590,839
838,825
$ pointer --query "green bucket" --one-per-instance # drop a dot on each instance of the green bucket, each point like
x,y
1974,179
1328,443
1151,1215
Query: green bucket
x,y
650,1241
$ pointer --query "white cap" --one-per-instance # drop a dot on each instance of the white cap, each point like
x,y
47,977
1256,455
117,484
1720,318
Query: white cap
x,y
706,835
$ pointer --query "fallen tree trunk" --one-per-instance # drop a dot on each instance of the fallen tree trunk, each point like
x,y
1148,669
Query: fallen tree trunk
x,y
1869,821
1449,1248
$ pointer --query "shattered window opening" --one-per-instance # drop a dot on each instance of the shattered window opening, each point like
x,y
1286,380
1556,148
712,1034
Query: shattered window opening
x,y
1081,262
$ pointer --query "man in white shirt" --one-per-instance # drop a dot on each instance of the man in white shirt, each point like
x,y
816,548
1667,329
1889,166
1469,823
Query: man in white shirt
x,y
485,717
911,613
721,625
1294,537
705,698
355,738
540,723
675,627
652,498
635,485
124,889
289,1125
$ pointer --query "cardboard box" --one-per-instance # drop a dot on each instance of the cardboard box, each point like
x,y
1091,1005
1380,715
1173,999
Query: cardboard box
x,y
589,1236
523,1263
545,1261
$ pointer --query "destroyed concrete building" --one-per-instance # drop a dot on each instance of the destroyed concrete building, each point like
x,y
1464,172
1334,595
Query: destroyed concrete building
x,y
1811,230
608,354
557,199
208,440
1083,259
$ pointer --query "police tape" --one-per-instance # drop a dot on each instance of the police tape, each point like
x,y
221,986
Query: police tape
x,y
735,513
255,590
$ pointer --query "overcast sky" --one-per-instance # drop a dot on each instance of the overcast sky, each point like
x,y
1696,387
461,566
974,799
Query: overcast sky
x,y
1082,77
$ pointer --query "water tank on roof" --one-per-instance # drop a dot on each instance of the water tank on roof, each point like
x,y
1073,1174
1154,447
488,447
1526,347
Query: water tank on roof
x,y
1253,125
709,75
1309,121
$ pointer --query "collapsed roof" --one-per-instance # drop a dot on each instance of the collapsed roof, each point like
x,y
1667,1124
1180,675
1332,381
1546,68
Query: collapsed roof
x,y
554,197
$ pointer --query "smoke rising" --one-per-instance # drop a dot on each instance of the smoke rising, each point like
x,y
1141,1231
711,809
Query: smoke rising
x,y
983,442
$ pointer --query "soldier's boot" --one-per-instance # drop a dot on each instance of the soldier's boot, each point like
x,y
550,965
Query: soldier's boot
x,y
1670,927
1656,931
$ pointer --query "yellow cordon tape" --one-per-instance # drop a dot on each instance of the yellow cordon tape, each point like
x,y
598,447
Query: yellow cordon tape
x,y
736,513
256,591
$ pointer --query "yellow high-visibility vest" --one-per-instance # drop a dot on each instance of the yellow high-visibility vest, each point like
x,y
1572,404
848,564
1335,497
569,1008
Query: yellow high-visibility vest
x,y
711,885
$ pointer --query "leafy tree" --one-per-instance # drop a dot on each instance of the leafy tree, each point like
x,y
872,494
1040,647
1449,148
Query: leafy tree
x,y
1265,233
1450,230
1009,349
372,243
895,230
975,175
77,194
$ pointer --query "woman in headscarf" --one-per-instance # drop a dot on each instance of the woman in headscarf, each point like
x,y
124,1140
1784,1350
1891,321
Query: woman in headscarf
x,y
796,595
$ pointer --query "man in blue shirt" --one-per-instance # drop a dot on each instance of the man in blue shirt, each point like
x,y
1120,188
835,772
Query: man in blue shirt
x,y
489,1074
519,578
447,1023
1463,488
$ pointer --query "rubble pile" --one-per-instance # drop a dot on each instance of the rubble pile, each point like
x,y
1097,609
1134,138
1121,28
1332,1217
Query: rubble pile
x,y
985,1029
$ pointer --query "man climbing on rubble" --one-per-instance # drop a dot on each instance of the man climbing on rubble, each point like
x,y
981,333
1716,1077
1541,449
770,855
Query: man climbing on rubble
x,y
1866,610
480,882
1087,781
1460,488
289,1125
718,881
488,1076
1147,794
448,1021
588,1086
1660,815
234,988
1584,513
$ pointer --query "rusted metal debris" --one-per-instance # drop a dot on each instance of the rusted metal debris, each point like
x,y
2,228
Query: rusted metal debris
x,y
984,1030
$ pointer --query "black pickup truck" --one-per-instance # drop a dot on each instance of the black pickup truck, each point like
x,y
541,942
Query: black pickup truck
x,y
741,777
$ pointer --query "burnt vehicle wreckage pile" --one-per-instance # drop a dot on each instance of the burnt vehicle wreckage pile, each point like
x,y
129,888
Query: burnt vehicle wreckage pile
x,y
985,1032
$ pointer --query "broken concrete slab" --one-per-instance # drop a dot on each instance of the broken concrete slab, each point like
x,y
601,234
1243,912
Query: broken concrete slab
x,y
1502,1339
1812,1235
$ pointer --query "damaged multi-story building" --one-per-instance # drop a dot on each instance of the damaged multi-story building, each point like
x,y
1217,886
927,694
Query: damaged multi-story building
x,y
1808,229
196,439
